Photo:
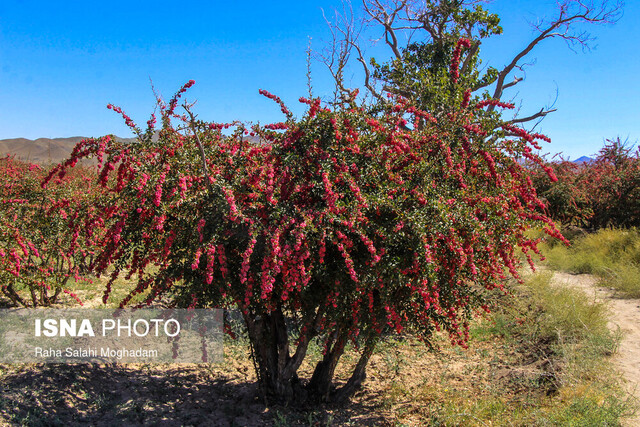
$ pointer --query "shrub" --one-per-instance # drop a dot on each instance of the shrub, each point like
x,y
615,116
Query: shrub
x,y
38,254
598,194
567,199
613,181
339,226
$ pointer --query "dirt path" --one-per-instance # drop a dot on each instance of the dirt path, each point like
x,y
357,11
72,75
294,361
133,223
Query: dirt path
x,y
625,314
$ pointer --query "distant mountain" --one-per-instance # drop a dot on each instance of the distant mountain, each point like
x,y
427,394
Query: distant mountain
x,y
54,150
583,159
42,150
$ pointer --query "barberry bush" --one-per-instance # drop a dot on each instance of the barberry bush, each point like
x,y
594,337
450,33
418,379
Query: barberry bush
x,y
340,226
613,181
601,193
567,199
41,248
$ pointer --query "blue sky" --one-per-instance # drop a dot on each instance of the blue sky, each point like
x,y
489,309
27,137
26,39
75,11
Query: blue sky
x,y
61,63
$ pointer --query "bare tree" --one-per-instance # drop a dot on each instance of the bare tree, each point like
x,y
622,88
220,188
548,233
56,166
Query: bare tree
x,y
439,22
570,13
345,33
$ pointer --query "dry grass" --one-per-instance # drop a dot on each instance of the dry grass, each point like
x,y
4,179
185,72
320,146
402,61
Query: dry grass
x,y
612,255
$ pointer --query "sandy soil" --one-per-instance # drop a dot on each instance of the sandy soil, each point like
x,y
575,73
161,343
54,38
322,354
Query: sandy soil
x,y
625,317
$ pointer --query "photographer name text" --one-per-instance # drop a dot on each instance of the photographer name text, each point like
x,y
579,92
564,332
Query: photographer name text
x,y
81,353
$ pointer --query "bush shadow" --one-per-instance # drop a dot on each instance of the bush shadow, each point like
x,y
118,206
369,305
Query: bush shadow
x,y
181,395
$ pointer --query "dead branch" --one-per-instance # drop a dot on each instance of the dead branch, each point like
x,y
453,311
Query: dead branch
x,y
570,13
437,21
537,115
387,16
344,37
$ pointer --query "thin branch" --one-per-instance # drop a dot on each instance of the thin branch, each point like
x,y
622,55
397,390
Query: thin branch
x,y
386,17
539,114
515,81
586,12
309,85
367,74
203,158
470,54
337,56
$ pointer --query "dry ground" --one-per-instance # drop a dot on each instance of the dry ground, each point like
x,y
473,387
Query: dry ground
x,y
406,385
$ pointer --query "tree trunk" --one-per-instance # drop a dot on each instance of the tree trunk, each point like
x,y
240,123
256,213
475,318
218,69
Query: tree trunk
x,y
13,295
322,379
359,373
270,347
276,369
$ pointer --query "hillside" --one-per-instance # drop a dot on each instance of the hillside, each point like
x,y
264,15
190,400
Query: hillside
x,y
583,159
54,150
42,150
